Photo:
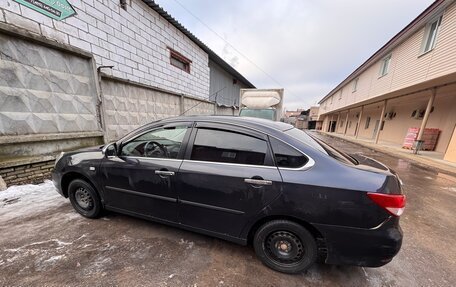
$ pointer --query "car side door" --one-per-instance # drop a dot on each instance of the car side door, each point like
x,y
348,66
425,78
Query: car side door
x,y
141,179
226,178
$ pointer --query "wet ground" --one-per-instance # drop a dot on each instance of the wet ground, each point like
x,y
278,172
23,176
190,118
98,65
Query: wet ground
x,y
44,242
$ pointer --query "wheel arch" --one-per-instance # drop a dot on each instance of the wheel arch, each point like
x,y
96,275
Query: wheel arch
x,y
319,238
72,175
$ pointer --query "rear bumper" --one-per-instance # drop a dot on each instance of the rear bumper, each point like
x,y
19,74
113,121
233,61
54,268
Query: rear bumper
x,y
362,247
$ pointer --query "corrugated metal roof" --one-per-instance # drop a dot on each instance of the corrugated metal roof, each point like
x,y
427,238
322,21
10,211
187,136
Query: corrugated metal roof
x,y
212,55
396,40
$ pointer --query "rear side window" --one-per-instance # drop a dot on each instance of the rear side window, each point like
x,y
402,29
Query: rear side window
x,y
320,145
286,156
230,147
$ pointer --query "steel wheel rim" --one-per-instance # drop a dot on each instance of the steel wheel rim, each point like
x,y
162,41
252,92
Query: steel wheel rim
x,y
284,248
83,198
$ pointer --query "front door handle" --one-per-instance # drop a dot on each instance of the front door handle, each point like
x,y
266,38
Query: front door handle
x,y
258,181
164,172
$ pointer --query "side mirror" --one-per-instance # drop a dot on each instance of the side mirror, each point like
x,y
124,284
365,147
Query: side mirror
x,y
109,150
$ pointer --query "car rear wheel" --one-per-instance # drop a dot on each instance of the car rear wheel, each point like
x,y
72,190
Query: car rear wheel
x,y
84,199
285,246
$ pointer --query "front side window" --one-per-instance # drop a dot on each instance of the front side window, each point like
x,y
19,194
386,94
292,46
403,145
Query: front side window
x,y
430,34
229,147
286,156
159,143
385,65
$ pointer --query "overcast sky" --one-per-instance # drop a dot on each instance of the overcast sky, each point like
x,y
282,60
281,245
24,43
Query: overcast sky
x,y
306,46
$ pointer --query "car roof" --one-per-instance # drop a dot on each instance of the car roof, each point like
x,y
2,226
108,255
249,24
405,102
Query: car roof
x,y
254,123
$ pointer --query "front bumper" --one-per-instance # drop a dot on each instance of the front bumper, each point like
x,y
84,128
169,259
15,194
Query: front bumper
x,y
362,247
56,179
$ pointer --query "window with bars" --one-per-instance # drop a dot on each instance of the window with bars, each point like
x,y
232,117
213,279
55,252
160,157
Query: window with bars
x,y
177,60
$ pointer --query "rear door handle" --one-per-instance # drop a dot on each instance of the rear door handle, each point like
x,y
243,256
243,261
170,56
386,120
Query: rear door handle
x,y
258,181
164,172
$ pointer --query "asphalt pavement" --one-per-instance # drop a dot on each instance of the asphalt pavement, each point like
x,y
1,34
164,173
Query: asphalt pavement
x,y
44,242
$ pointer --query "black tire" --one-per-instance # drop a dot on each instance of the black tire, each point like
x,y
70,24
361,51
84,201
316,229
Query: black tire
x,y
285,246
84,199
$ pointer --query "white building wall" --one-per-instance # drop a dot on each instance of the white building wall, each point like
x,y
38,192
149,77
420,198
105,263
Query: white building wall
x,y
135,41
408,67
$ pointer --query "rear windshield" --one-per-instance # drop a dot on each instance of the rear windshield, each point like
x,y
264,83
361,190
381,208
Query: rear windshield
x,y
321,146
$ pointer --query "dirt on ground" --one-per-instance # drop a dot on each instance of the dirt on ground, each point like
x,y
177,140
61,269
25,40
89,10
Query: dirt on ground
x,y
45,242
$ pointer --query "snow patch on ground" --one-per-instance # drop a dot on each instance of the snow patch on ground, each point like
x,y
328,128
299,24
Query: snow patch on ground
x,y
189,244
26,200
43,265
99,265
54,242
41,255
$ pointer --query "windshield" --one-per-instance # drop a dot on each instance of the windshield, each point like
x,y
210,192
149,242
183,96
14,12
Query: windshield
x,y
268,114
321,146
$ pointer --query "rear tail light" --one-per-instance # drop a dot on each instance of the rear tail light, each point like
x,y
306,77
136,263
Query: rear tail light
x,y
393,203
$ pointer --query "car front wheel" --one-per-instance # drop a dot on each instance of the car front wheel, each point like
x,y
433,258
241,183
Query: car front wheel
x,y
285,246
84,199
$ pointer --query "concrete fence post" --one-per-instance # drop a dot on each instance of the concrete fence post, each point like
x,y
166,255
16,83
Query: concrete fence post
x,y
182,105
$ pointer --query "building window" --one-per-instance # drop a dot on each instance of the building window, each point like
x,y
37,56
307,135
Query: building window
x,y
331,100
340,95
179,61
355,85
430,35
384,68
124,4
366,126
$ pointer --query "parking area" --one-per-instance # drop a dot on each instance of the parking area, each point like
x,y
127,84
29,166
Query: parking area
x,y
44,242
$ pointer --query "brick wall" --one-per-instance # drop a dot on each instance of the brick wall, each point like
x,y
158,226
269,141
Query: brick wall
x,y
29,173
135,41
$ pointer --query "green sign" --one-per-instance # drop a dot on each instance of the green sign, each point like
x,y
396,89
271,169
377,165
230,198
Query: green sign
x,y
55,9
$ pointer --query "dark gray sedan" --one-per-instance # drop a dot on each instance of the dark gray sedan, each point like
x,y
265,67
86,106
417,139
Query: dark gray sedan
x,y
246,180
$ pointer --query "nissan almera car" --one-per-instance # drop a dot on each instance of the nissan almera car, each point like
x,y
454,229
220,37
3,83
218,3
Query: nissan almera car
x,y
251,181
